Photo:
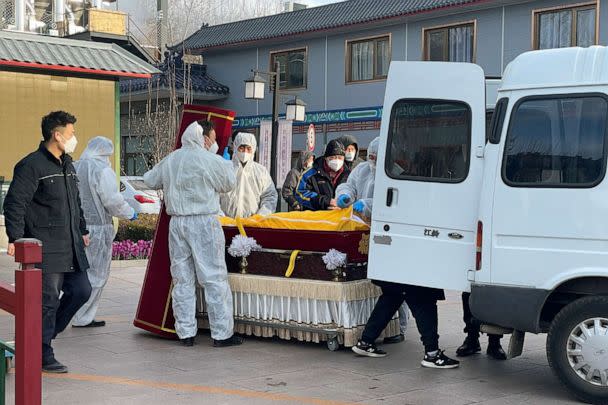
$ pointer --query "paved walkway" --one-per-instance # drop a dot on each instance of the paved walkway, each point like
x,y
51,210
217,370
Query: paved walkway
x,y
120,364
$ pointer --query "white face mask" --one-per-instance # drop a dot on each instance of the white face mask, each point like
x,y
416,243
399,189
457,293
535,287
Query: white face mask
x,y
70,145
214,148
244,157
372,165
335,164
349,156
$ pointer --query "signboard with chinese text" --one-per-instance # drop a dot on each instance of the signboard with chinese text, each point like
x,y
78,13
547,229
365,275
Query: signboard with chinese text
x,y
283,151
265,143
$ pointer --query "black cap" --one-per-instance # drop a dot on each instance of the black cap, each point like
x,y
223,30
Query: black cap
x,y
334,148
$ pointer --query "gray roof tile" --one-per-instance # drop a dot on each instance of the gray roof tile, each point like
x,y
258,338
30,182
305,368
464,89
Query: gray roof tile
x,y
327,17
44,50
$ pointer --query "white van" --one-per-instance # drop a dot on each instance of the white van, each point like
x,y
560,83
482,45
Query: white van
x,y
521,220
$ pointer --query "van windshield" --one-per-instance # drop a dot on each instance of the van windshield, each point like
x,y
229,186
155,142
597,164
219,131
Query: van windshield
x,y
429,140
557,141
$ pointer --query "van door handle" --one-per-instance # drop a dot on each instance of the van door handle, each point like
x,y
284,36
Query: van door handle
x,y
389,196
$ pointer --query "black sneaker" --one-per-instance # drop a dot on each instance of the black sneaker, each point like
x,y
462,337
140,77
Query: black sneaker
x,y
231,341
54,367
469,347
368,349
188,342
439,360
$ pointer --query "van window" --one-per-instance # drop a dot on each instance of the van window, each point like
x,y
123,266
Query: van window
x,y
497,121
429,140
557,141
489,115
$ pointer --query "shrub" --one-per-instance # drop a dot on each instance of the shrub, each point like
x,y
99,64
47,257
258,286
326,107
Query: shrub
x,y
129,250
141,229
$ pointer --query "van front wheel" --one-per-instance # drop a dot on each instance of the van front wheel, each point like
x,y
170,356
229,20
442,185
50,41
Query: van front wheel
x,y
577,348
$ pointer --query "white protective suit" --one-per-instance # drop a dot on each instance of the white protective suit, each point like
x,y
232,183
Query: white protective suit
x,y
192,179
360,186
101,200
255,192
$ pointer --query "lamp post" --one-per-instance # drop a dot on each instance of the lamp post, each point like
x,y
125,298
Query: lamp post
x,y
296,108
254,90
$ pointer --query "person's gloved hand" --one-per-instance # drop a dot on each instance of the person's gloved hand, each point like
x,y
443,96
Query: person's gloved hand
x,y
359,206
343,201
226,155
134,216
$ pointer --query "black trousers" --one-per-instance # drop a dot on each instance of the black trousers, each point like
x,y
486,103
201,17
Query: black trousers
x,y
57,313
422,306
471,325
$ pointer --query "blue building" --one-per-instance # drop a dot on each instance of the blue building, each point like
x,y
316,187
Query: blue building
x,y
336,57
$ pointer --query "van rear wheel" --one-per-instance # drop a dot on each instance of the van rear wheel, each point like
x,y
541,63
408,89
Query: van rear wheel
x,y
577,348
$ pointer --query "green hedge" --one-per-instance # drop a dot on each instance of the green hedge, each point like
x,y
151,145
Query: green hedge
x,y
141,229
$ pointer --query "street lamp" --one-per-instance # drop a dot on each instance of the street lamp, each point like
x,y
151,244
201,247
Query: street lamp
x,y
296,110
254,90
254,87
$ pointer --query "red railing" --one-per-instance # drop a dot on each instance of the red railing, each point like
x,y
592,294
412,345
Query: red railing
x,y
24,301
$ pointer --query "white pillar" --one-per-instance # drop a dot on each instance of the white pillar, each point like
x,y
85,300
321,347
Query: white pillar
x,y
58,11
20,14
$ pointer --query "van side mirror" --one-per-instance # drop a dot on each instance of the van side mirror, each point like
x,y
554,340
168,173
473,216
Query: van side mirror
x,y
498,119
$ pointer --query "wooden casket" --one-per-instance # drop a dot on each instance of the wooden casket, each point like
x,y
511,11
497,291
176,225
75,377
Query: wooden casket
x,y
279,244
310,302
304,238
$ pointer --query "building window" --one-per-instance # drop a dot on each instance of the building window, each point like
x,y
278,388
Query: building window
x,y
429,140
292,68
368,59
557,141
564,27
454,43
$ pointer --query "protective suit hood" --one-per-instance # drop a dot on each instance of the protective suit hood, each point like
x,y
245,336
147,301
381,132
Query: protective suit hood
x,y
372,149
99,148
193,136
244,138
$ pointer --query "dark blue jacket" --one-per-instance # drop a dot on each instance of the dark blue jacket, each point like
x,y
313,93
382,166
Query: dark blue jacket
x,y
43,203
315,189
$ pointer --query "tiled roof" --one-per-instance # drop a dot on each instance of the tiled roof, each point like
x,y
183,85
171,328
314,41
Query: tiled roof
x,y
38,51
200,81
331,16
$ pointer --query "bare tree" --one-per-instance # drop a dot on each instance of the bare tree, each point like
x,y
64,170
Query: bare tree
x,y
152,124
188,16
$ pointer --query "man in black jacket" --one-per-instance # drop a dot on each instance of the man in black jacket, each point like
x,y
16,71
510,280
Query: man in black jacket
x,y
43,203
317,186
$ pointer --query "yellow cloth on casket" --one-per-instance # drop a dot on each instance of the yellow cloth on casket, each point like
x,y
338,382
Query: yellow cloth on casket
x,y
332,220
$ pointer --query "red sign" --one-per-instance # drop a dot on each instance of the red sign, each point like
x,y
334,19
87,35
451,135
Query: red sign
x,y
310,138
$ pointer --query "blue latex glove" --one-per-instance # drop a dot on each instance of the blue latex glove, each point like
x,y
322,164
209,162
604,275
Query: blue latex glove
x,y
134,216
359,206
226,155
343,201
